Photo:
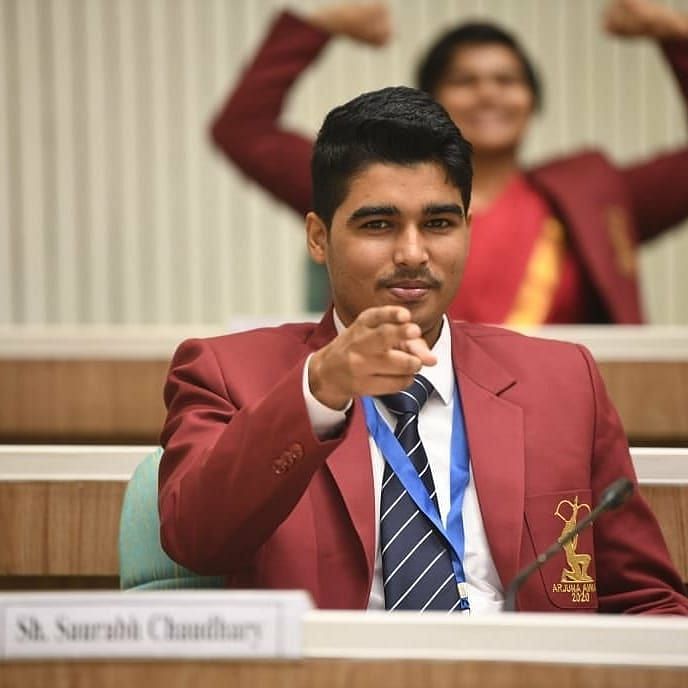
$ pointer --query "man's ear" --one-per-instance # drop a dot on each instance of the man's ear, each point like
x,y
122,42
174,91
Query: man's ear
x,y
316,238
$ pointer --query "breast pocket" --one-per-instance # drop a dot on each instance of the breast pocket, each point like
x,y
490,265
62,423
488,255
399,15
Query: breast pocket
x,y
569,577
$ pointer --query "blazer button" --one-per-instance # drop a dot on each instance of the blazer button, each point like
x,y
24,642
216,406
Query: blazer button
x,y
296,450
288,458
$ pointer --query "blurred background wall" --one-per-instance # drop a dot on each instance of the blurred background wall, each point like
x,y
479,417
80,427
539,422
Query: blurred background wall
x,y
114,208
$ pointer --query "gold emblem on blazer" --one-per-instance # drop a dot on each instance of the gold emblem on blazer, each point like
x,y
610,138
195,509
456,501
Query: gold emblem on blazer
x,y
575,578
619,230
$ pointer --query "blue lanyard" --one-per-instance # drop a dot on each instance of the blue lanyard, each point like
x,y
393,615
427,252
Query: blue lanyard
x,y
398,460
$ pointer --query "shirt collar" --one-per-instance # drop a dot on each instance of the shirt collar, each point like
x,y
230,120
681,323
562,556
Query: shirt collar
x,y
441,375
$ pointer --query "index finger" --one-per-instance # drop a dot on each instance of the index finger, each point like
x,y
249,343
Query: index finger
x,y
419,348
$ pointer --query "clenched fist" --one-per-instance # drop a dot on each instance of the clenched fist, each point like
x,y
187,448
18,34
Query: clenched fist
x,y
365,22
628,18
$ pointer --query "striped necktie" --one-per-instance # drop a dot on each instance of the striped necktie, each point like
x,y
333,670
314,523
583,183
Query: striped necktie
x,y
416,565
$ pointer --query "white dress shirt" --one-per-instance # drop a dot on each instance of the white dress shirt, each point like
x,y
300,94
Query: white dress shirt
x,y
485,592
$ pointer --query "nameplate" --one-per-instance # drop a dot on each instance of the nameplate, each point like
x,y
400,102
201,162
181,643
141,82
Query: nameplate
x,y
200,624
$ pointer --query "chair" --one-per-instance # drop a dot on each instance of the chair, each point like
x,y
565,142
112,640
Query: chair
x,y
143,565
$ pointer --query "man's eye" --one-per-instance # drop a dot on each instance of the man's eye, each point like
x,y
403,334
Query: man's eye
x,y
376,224
438,223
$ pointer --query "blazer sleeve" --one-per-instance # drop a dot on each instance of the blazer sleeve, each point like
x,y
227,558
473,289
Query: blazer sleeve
x,y
658,190
634,570
247,128
230,472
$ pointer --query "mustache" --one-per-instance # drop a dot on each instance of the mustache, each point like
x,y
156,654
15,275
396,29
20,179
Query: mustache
x,y
422,274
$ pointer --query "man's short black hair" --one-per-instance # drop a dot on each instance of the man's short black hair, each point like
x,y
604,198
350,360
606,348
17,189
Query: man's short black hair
x,y
433,67
395,125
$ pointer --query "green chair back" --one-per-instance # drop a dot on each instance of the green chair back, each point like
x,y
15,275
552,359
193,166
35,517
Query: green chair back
x,y
143,565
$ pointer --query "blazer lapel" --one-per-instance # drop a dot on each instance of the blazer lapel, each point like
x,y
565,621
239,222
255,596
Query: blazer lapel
x,y
494,427
350,464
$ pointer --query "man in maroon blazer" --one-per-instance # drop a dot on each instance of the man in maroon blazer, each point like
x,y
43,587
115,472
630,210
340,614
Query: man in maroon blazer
x,y
279,455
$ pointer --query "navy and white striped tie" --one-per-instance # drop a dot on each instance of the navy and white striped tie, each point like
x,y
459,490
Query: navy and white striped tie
x,y
416,565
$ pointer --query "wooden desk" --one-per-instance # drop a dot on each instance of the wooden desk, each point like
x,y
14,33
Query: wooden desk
x,y
368,650
104,385
333,674
60,507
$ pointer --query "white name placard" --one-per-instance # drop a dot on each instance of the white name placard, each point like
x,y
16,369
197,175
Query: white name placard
x,y
153,624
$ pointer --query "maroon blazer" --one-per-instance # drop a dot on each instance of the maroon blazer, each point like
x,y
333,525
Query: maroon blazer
x,y
247,490
606,209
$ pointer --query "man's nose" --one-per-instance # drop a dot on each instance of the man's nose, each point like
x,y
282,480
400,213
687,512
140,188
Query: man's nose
x,y
410,248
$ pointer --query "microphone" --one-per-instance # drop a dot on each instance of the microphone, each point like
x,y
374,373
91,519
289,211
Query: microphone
x,y
614,496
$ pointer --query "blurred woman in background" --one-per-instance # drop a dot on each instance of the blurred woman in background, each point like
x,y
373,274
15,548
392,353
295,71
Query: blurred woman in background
x,y
551,244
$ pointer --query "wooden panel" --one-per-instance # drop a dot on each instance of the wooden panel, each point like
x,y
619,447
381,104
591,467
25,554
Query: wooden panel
x,y
57,583
60,528
651,397
120,401
71,528
77,401
670,505
334,674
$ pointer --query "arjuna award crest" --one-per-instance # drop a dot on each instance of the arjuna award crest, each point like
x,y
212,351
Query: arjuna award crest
x,y
575,578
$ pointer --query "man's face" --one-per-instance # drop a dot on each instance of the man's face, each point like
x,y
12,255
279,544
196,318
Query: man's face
x,y
400,237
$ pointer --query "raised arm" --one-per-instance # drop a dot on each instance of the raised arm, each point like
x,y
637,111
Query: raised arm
x,y
247,127
658,187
